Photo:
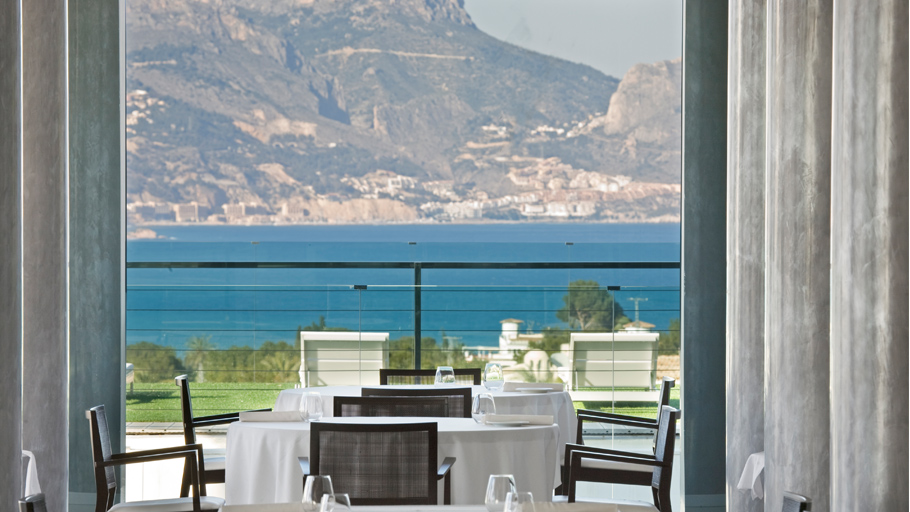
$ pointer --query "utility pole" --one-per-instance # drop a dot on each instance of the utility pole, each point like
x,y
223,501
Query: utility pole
x,y
636,300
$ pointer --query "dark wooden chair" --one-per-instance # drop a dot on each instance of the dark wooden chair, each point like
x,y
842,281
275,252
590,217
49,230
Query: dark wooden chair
x,y
459,398
463,376
590,464
33,503
796,503
214,466
104,461
414,406
379,464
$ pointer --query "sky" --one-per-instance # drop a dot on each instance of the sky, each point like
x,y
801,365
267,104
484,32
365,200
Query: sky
x,y
608,35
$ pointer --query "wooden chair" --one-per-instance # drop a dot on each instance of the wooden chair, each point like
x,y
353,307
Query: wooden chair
x,y
214,466
413,406
379,464
586,415
459,398
463,376
796,503
105,461
590,464
33,503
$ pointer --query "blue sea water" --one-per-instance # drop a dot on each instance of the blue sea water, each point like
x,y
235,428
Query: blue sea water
x,y
248,306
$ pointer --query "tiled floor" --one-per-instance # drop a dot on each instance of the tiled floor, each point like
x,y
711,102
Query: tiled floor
x,y
162,479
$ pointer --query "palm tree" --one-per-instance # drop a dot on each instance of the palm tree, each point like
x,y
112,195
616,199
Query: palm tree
x,y
197,346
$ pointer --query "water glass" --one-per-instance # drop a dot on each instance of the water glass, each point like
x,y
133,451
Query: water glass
x,y
445,376
481,406
340,502
519,502
492,377
497,488
315,487
311,406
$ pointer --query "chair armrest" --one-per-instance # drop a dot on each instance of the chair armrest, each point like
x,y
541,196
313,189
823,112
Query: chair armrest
x,y
616,419
304,465
577,455
445,467
173,452
606,451
221,419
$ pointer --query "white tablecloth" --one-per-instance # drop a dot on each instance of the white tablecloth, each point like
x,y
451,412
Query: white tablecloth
x,y
541,507
556,403
262,462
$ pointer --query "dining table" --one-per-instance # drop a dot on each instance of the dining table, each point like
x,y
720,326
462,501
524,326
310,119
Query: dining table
x,y
538,507
532,399
262,457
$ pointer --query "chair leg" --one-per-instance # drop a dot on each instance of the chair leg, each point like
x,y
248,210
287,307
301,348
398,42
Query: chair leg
x,y
447,489
185,483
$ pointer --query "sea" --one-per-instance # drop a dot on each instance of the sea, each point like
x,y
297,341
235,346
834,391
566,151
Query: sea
x,y
233,305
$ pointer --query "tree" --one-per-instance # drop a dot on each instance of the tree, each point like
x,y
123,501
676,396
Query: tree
x,y
280,360
588,307
152,362
194,358
669,340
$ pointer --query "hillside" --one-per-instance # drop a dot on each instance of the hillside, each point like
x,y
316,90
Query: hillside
x,y
371,111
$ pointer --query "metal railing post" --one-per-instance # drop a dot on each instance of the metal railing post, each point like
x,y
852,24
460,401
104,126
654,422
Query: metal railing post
x,y
417,335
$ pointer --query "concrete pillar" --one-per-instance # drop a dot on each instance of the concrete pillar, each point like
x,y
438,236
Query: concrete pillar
x,y
703,253
95,230
797,248
10,274
43,217
869,338
745,244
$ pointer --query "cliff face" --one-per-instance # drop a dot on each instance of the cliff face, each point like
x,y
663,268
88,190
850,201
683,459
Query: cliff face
x,y
288,101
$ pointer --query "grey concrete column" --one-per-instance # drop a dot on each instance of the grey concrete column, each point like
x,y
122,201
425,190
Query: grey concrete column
x,y
95,214
797,247
745,244
703,253
44,281
869,338
10,274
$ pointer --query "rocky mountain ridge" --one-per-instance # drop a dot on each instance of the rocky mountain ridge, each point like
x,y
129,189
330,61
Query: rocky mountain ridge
x,y
371,111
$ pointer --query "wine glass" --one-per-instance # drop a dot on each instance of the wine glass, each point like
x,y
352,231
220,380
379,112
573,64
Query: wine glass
x,y
311,406
340,502
519,502
497,488
313,489
445,376
481,406
492,377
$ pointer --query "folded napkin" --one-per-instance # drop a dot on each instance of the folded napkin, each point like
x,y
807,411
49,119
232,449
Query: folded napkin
x,y
31,474
751,477
532,419
513,386
270,416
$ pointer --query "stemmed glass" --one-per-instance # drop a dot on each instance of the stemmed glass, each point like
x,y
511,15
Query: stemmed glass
x,y
492,377
311,406
481,406
335,502
497,488
313,490
519,502
445,376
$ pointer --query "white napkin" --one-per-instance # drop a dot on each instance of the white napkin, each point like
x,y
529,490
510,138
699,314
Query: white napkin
x,y
514,386
751,477
532,419
270,416
31,474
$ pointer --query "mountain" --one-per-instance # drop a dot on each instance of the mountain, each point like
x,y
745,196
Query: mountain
x,y
375,111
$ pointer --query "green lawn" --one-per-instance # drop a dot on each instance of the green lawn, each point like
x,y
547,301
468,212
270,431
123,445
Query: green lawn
x,y
161,402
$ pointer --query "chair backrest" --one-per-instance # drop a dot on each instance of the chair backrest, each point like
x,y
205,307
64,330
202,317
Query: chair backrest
x,y
186,406
413,406
663,452
105,479
33,503
463,376
459,398
796,503
377,464
663,397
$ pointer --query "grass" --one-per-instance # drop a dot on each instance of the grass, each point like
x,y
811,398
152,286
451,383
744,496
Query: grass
x,y
160,402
